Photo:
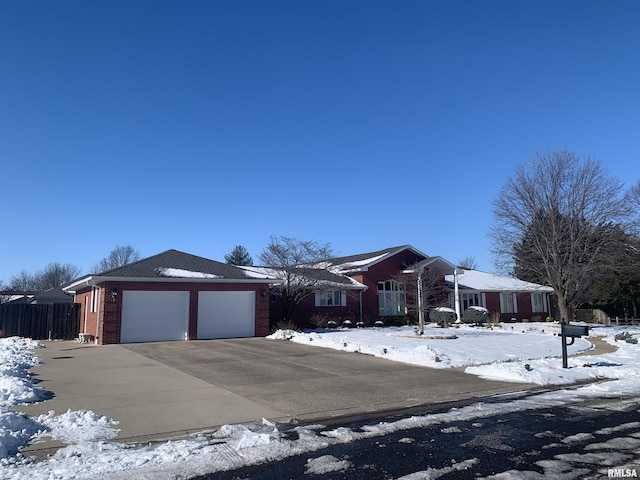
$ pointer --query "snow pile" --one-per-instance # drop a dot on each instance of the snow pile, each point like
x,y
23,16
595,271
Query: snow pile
x,y
78,426
15,361
325,464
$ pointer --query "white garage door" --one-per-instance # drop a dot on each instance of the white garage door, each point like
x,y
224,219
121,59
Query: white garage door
x,y
226,314
154,316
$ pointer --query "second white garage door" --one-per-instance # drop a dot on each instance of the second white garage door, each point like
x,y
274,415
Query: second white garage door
x,y
154,316
226,314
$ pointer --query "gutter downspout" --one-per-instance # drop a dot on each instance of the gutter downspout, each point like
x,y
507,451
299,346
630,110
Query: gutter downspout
x,y
420,306
98,315
86,313
456,294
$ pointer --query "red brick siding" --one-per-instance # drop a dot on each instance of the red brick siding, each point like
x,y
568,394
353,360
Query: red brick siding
x,y
111,306
307,308
524,307
386,270
87,317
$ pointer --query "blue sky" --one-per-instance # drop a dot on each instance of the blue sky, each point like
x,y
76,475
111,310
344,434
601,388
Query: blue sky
x,y
201,125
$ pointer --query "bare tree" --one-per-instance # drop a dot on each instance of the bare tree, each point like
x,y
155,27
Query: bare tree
x,y
297,263
54,275
469,262
119,256
632,201
433,289
556,219
4,297
23,281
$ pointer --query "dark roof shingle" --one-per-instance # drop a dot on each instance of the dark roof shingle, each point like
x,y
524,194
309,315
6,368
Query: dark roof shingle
x,y
149,267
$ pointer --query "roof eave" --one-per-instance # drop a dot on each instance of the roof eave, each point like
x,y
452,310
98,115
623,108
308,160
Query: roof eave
x,y
95,280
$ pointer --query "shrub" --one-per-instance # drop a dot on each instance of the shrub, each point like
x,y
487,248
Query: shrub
x,y
286,325
320,320
479,315
397,320
443,316
627,337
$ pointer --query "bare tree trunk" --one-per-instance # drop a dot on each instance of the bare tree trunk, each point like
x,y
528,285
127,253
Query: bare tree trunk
x,y
562,306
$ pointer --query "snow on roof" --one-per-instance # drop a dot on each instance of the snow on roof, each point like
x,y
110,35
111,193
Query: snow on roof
x,y
258,272
180,273
347,266
490,282
319,276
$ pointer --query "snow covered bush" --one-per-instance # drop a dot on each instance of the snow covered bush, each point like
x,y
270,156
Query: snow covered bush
x,y
476,315
443,316
627,337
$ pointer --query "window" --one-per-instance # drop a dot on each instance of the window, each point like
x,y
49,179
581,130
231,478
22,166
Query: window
x,y
508,303
538,303
470,300
392,298
331,298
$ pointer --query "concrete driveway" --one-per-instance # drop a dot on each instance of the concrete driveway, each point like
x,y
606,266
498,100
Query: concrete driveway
x,y
169,389
308,383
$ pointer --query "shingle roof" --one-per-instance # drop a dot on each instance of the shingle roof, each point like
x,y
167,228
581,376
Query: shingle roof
x,y
149,267
319,275
356,262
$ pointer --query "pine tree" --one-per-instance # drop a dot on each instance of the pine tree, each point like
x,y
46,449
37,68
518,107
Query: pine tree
x,y
239,256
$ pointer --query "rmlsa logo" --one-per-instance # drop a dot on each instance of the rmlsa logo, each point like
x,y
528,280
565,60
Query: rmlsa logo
x,y
622,473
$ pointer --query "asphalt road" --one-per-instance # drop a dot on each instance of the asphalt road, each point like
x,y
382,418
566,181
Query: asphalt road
x,y
580,441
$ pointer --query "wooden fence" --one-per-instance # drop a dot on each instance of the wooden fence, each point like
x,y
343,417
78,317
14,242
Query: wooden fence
x,y
58,321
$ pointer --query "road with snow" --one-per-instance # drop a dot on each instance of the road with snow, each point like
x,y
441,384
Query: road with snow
x,y
590,440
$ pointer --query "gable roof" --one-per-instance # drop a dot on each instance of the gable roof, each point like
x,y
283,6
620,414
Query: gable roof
x,y
174,259
319,277
171,265
363,261
490,282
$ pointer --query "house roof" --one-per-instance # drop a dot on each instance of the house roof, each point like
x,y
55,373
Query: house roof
x,y
363,261
320,277
490,282
171,265
51,295
438,262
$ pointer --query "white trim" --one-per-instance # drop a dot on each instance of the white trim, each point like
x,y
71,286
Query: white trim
x,y
93,280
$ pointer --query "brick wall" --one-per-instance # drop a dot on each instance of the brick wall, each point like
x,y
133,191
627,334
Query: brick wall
x,y
88,318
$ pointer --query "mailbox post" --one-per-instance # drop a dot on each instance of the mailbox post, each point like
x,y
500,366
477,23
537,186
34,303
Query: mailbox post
x,y
572,332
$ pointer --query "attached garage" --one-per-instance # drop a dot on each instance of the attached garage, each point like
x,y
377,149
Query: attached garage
x,y
226,314
149,316
172,296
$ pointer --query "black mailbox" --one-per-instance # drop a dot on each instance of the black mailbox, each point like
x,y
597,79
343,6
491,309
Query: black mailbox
x,y
575,330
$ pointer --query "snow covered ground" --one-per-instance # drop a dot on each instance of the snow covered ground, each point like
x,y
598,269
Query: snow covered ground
x,y
513,352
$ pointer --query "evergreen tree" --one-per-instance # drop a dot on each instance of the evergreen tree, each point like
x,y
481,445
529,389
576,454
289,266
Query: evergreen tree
x,y
239,256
